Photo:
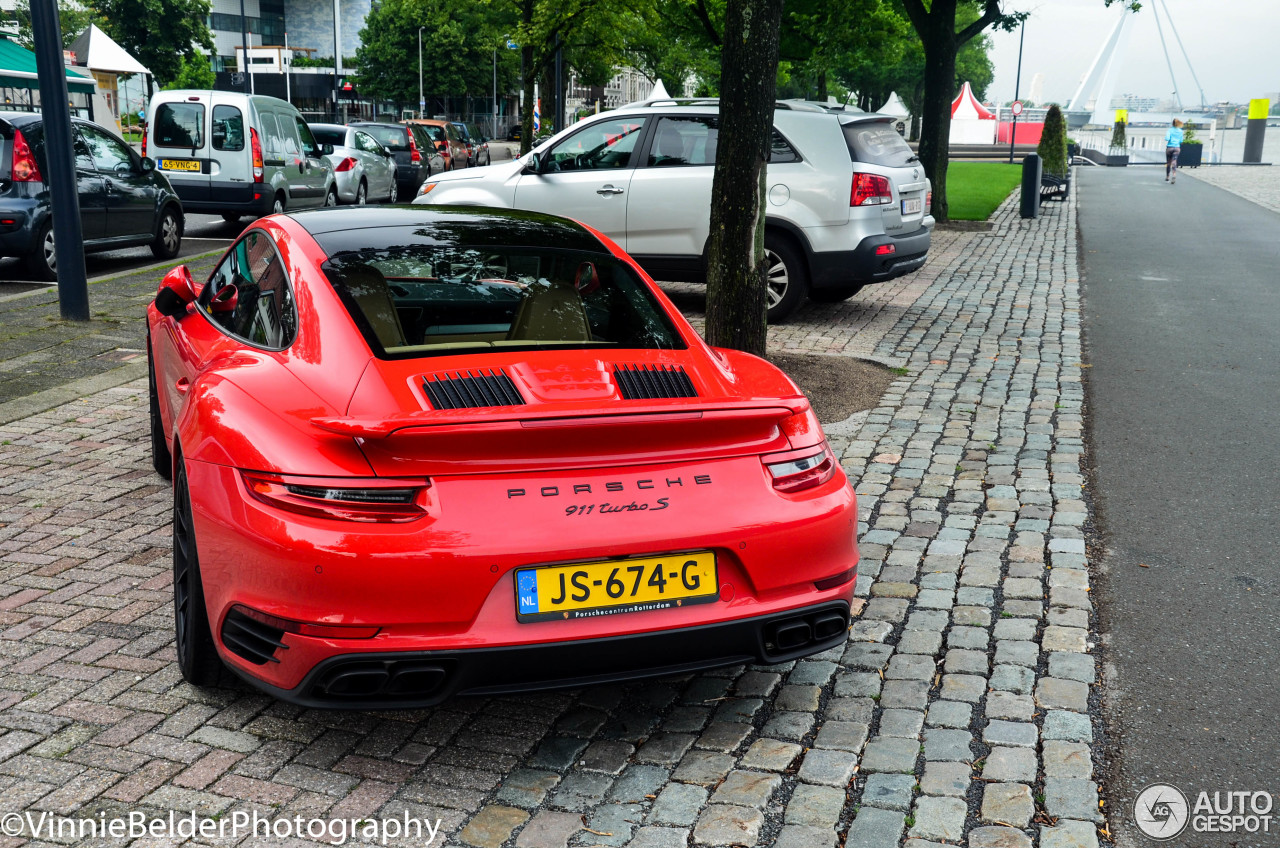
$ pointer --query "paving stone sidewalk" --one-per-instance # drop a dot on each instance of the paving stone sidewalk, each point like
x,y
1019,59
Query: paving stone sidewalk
x,y
1258,183
958,712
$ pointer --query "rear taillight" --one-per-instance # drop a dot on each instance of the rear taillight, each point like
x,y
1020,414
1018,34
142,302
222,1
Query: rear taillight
x,y
870,190
928,201
414,155
25,169
442,145
258,171
144,141
349,499
886,249
795,471
346,164
307,628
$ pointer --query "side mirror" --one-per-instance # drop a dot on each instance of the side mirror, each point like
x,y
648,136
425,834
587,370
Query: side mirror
x,y
147,165
533,165
176,291
326,149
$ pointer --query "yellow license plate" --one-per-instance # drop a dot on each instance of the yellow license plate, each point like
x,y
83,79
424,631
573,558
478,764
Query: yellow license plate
x,y
590,589
179,165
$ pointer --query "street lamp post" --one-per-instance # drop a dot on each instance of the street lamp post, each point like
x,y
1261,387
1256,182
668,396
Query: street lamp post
x,y
422,103
1017,89
493,122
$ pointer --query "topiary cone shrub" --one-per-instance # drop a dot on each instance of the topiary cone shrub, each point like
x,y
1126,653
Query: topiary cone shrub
x,y
1053,143
1118,137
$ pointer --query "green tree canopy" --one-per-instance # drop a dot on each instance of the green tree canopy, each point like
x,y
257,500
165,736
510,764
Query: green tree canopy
x,y
195,72
160,34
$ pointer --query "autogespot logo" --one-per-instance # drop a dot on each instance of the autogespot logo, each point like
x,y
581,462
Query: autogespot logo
x,y
1161,811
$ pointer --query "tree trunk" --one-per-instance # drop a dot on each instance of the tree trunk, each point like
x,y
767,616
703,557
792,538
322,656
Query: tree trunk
x,y
940,48
822,85
736,300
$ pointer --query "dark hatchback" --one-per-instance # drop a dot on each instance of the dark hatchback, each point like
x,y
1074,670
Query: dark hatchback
x,y
124,200
413,164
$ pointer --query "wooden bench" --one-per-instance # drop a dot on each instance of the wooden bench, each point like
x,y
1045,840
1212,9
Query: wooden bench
x,y
1054,188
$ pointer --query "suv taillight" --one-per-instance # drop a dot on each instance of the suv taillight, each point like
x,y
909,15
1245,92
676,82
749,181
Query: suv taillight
x,y
414,155
144,139
258,171
870,190
928,201
25,169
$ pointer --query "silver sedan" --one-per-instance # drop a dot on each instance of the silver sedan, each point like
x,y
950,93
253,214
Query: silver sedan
x,y
363,169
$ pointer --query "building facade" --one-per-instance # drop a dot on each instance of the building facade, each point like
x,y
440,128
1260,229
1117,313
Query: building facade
x,y
307,25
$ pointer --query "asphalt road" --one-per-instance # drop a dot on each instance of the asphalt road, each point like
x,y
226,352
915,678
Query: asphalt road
x,y
1182,322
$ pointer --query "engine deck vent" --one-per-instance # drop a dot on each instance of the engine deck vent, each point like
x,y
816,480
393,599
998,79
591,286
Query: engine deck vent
x,y
471,389
643,382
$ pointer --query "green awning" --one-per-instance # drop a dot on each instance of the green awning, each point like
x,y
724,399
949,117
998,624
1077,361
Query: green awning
x,y
18,70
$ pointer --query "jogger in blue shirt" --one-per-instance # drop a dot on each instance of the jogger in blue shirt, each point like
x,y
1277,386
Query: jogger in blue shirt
x,y
1172,147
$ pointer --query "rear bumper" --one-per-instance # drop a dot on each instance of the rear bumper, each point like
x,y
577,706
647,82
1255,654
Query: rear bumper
x,y
19,238
862,265
407,679
226,197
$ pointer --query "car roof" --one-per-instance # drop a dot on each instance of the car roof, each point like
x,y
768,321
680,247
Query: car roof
x,y
388,124
334,127
485,225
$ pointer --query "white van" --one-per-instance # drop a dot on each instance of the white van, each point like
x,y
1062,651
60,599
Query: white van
x,y
234,154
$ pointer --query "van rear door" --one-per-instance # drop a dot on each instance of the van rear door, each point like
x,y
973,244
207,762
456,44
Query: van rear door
x,y
179,143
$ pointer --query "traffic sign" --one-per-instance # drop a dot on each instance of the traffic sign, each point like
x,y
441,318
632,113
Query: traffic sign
x,y
1017,108
511,45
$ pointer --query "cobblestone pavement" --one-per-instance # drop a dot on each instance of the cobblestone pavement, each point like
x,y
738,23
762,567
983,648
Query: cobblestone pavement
x,y
1258,183
959,709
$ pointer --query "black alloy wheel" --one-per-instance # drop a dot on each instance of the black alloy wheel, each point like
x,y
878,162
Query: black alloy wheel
x,y
197,657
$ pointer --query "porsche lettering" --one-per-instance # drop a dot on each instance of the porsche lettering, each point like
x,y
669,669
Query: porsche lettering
x,y
611,486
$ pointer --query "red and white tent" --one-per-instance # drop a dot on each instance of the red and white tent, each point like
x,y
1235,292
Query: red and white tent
x,y
971,122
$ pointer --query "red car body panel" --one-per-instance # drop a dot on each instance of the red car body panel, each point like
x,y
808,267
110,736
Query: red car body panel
x,y
507,485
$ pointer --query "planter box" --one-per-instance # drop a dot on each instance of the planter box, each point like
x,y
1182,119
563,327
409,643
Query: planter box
x,y
1190,155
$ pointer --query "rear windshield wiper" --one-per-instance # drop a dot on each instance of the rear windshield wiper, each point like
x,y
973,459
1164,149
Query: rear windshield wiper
x,y
913,158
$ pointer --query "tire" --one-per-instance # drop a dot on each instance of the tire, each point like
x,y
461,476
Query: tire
x,y
197,657
161,458
279,204
788,279
394,193
362,193
42,263
231,217
331,199
168,241
834,295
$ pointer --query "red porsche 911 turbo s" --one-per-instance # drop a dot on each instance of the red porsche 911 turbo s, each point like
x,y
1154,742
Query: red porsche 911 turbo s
x,y
427,451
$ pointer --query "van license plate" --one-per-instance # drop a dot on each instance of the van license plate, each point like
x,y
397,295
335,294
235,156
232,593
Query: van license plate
x,y
186,165
911,206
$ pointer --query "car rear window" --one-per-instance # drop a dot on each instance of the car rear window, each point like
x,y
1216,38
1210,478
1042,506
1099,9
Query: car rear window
x,y
179,125
436,133
412,298
877,143
392,138
336,137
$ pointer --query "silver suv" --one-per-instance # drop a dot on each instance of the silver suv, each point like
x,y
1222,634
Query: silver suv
x,y
848,199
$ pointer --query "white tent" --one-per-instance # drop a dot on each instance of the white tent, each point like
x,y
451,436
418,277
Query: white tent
x,y
971,122
894,107
95,50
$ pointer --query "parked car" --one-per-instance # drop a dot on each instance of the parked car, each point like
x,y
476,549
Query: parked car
x,y
848,199
124,201
233,154
465,134
481,142
415,157
445,137
513,134
362,168
352,400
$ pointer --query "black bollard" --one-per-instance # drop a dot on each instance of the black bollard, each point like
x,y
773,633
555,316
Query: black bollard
x,y
1256,130
1031,168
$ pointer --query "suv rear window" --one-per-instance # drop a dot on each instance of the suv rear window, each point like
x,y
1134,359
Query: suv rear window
x,y
877,143
179,125
324,135
392,138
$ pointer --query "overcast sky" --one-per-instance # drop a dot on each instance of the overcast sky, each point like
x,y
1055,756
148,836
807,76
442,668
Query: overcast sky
x,y
1234,47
